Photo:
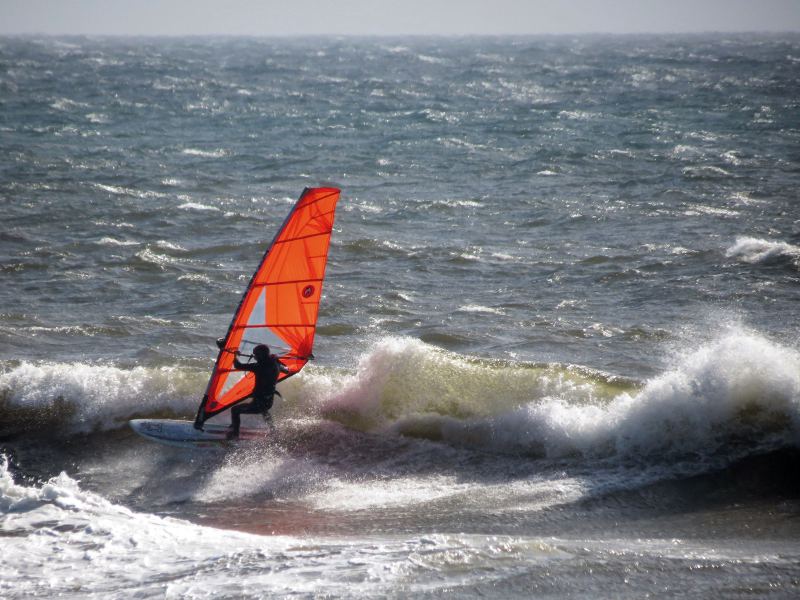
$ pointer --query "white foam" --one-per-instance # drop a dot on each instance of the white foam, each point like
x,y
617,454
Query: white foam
x,y
109,241
67,104
123,191
113,189
217,153
197,206
704,172
154,258
98,118
711,210
757,251
199,277
170,246
478,308
685,151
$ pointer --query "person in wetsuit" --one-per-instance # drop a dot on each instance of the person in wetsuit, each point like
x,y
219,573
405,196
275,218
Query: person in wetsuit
x,y
266,369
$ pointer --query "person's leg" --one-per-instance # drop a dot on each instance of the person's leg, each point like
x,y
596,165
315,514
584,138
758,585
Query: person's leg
x,y
259,406
236,420
253,408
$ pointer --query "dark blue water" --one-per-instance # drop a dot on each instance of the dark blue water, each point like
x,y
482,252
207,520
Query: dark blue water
x,y
563,269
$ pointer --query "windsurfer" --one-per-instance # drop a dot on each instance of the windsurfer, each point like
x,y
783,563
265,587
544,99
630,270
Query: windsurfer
x,y
266,369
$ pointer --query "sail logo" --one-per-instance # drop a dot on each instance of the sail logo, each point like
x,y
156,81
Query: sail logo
x,y
308,291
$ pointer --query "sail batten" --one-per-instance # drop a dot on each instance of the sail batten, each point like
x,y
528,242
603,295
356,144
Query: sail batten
x,y
303,237
280,305
273,325
287,282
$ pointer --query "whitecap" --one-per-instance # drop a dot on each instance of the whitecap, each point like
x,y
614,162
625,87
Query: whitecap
x,y
66,104
123,191
218,153
195,277
732,157
479,308
745,198
109,241
98,118
197,206
576,115
685,151
164,244
113,189
702,209
431,59
738,387
704,172
758,251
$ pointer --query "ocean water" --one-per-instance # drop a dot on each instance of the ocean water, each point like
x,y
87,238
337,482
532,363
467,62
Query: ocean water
x,y
557,354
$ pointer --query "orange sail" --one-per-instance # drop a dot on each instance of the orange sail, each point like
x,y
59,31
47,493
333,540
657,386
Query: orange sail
x,y
279,307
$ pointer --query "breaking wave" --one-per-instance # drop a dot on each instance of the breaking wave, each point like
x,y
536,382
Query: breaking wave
x,y
79,398
737,393
756,251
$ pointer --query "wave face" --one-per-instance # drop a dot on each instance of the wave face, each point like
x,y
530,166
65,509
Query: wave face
x,y
740,388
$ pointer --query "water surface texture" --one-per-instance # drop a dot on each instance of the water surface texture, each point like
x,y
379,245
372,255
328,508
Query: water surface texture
x,y
558,350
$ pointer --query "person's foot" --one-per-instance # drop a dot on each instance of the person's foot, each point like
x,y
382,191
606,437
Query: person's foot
x,y
232,435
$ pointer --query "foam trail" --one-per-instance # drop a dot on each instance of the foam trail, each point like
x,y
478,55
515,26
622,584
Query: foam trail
x,y
86,541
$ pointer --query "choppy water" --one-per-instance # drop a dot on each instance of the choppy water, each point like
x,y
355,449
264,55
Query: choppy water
x,y
557,354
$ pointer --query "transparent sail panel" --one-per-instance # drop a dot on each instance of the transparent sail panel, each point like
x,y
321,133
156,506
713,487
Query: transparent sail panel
x,y
257,330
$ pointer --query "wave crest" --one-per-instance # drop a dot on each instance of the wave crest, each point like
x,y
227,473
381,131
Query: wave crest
x,y
756,251
79,398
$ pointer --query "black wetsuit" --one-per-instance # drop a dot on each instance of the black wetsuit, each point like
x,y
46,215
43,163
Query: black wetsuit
x,y
266,373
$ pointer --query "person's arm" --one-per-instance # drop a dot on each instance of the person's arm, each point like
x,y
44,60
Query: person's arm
x,y
281,367
242,366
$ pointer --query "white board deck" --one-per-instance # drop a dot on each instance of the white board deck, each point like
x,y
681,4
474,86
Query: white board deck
x,y
182,434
